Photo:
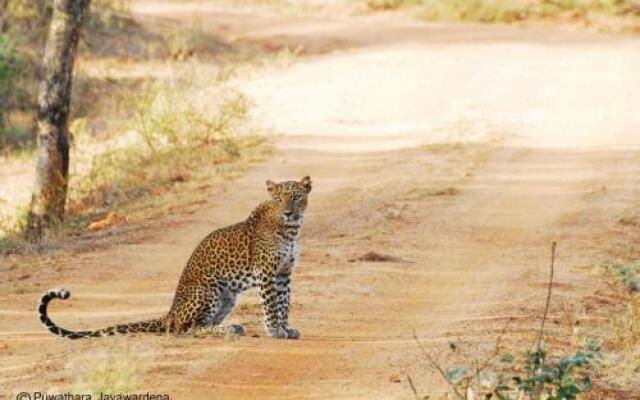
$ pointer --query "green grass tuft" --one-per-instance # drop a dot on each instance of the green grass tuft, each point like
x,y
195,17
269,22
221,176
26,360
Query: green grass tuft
x,y
629,274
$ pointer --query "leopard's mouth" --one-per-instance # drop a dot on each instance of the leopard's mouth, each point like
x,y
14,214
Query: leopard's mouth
x,y
292,217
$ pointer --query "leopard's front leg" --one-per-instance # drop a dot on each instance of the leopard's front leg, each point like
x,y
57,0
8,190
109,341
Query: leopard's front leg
x,y
275,293
283,299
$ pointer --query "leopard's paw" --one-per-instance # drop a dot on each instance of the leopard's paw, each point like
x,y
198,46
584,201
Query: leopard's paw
x,y
285,333
236,330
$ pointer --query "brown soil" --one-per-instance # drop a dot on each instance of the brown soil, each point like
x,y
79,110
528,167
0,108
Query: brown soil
x,y
547,153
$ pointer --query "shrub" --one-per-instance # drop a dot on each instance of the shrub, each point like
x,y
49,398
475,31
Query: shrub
x,y
629,274
561,379
532,377
390,4
536,377
9,67
511,10
178,133
475,10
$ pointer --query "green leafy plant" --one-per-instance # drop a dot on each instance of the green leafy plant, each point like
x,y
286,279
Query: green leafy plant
x,y
503,376
9,68
628,272
15,96
561,379
535,376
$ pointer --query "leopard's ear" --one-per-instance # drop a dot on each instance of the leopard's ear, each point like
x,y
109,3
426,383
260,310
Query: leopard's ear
x,y
306,183
271,187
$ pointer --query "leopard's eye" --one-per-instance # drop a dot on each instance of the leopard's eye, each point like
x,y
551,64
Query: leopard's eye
x,y
297,197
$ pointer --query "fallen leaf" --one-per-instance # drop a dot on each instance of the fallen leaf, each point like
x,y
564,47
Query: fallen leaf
x,y
110,220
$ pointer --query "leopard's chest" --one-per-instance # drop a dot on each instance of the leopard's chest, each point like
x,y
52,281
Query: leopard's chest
x,y
287,255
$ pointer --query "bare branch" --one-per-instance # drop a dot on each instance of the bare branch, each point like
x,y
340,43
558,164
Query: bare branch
x,y
546,308
436,366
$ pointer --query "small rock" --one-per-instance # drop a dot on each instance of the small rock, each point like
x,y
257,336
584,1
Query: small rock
x,y
372,256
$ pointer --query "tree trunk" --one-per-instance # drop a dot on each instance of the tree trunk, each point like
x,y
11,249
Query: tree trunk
x,y
52,131
4,17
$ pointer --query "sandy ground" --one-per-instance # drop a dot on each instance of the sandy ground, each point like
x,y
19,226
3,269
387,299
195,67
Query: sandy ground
x,y
550,131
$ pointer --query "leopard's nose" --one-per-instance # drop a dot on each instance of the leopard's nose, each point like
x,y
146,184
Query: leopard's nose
x,y
288,213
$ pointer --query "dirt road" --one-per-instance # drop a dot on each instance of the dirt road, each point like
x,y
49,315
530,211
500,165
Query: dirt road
x,y
546,134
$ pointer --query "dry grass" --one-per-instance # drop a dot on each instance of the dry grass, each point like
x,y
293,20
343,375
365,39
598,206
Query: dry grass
x,y
609,15
178,134
148,138
391,4
109,374
622,362
183,136
142,148
619,339
476,10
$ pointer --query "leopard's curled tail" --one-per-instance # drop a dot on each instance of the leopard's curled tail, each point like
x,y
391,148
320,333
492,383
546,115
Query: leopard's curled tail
x,y
157,325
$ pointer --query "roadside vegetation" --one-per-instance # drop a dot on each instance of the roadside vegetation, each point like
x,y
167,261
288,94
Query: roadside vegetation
x,y
141,145
107,374
622,337
23,30
628,271
607,15
10,86
502,375
510,374
597,363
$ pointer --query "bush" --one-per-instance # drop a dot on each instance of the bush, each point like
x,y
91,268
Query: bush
x,y
475,10
178,133
390,4
502,376
25,26
9,68
562,379
511,10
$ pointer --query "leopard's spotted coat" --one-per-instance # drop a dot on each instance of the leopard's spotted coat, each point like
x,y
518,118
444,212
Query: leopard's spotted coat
x,y
258,252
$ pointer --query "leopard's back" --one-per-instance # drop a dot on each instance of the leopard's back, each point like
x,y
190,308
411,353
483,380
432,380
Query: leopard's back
x,y
223,254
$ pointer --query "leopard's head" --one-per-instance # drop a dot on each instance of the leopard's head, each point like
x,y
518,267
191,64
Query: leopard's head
x,y
291,197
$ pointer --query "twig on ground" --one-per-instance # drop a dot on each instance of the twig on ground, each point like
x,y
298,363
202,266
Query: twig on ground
x,y
413,387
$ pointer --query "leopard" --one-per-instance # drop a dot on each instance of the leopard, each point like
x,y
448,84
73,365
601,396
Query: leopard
x,y
260,252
